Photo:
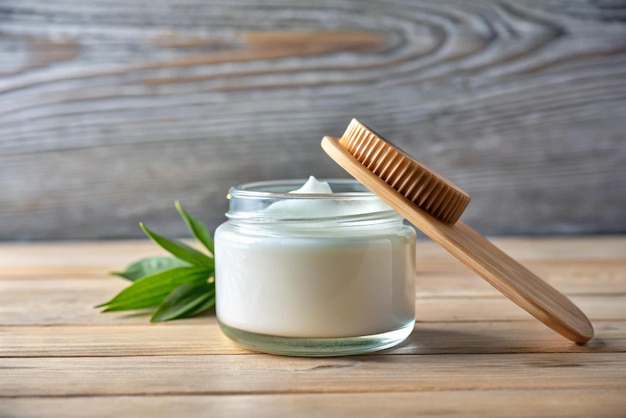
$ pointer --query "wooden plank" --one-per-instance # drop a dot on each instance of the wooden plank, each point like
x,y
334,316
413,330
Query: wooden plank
x,y
499,308
71,259
225,374
71,301
89,258
552,248
520,102
575,267
60,301
114,253
433,276
489,403
581,278
205,337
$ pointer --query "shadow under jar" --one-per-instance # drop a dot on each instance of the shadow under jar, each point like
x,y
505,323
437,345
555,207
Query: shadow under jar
x,y
314,274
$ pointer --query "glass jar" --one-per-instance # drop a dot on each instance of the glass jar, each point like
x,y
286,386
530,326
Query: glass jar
x,y
314,274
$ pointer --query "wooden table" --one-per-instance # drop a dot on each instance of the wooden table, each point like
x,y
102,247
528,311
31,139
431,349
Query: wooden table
x,y
472,351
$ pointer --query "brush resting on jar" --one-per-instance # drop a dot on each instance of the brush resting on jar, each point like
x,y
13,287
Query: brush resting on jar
x,y
433,204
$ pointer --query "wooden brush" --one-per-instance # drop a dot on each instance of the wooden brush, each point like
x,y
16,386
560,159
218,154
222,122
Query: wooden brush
x,y
434,204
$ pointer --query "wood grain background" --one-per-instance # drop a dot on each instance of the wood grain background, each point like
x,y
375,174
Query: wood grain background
x,y
112,109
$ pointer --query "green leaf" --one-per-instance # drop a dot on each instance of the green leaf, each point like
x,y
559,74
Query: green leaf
x,y
149,266
197,228
207,304
180,250
186,300
150,291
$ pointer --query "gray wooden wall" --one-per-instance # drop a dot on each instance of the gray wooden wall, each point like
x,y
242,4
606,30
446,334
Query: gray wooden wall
x,y
112,109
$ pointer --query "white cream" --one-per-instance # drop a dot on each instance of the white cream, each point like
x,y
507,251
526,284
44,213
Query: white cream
x,y
340,279
315,208
313,185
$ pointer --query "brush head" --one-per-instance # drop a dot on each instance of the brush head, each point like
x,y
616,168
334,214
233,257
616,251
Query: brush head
x,y
415,181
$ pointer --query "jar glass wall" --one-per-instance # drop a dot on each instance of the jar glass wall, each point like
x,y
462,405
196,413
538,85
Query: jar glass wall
x,y
314,274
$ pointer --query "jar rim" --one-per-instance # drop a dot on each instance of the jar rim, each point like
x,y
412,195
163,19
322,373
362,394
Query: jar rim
x,y
350,200
259,189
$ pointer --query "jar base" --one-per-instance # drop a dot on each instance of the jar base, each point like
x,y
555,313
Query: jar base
x,y
317,347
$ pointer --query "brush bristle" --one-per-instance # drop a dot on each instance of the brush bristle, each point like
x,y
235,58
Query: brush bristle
x,y
428,190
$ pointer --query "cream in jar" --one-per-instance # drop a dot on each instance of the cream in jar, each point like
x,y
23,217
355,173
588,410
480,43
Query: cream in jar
x,y
322,269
